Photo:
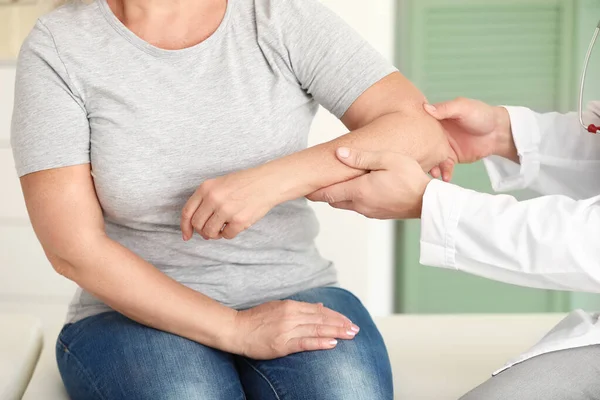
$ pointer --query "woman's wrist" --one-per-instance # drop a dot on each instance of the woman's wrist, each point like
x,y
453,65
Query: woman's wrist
x,y
287,178
505,145
225,332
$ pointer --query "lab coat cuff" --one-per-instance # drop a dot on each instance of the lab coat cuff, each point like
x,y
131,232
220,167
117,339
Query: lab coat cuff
x,y
442,205
506,175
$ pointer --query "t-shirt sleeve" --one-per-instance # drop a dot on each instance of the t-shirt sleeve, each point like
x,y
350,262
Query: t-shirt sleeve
x,y
49,128
329,59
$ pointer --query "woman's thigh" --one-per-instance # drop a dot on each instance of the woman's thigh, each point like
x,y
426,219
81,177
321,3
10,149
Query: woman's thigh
x,y
109,356
357,369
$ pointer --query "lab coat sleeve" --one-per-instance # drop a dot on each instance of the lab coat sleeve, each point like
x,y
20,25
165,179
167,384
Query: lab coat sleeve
x,y
557,156
550,242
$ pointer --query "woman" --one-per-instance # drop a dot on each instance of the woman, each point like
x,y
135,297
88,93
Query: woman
x,y
139,122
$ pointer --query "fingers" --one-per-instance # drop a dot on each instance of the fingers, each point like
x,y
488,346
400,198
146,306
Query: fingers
x,y
365,160
309,327
325,315
447,169
214,225
187,214
301,344
344,205
309,337
435,172
452,109
232,229
318,196
202,214
205,214
324,331
339,192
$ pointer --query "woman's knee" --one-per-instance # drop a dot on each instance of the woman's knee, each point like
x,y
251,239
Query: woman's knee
x,y
330,374
339,300
360,366
358,369
351,380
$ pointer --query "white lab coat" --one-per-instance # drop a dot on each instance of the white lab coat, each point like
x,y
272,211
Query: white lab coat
x,y
550,242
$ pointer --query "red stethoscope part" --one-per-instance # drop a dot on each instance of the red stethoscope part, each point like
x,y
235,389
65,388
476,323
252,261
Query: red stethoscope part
x,y
590,128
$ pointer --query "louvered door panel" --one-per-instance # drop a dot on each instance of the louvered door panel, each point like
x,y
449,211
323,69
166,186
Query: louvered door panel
x,y
515,52
504,52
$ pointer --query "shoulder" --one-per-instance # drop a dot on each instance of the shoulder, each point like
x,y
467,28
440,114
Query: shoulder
x,y
75,30
296,16
73,17
66,26
283,9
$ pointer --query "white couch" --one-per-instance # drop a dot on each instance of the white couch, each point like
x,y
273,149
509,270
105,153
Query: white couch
x,y
433,357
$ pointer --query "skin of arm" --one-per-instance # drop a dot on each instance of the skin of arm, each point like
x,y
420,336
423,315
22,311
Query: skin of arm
x,y
394,187
68,221
387,116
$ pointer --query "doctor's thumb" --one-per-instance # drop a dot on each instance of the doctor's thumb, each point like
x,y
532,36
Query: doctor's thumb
x,y
358,159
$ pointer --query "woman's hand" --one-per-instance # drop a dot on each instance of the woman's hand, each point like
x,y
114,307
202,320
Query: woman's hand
x,y
279,328
228,205
475,130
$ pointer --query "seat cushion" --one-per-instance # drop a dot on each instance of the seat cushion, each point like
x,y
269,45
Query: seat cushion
x,y
20,348
46,382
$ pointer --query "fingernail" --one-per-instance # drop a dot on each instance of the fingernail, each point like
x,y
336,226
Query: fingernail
x,y
333,342
350,332
355,328
343,152
430,107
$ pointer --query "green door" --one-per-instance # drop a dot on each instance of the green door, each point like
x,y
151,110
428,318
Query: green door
x,y
510,52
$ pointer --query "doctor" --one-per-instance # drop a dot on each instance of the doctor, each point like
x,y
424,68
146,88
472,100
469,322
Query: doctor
x,y
550,242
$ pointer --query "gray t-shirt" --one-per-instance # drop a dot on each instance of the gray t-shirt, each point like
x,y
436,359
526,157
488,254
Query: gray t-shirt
x,y
154,124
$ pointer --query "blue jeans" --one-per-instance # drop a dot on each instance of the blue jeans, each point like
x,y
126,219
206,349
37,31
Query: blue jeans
x,y
109,356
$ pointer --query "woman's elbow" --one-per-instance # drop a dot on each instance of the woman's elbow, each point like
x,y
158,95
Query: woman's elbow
x,y
68,255
61,267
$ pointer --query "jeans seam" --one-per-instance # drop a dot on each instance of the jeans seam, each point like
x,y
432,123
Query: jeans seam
x,y
83,370
264,377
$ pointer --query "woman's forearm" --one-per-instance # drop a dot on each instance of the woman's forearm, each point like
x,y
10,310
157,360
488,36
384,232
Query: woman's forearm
x,y
135,288
413,134
68,221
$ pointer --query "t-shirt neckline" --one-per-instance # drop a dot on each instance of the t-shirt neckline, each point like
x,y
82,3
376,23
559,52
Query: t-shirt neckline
x,y
157,51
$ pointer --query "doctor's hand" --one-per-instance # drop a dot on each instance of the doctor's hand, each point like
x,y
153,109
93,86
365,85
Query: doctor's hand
x,y
392,189
475,130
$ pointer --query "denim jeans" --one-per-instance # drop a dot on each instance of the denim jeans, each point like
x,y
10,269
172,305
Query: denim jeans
x,y
109,356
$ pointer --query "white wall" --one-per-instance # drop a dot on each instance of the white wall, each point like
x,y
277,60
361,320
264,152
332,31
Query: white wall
x,y
362,249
